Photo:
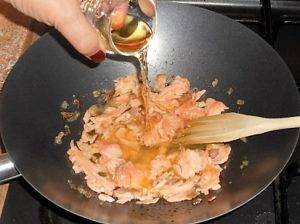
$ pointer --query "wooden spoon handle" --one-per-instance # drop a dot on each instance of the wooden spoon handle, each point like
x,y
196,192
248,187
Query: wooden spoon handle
x,y
283,123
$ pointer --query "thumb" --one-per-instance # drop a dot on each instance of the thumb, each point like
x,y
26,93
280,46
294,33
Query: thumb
x,y
75,27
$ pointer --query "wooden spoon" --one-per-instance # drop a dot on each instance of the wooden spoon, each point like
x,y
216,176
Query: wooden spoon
x,y
231,126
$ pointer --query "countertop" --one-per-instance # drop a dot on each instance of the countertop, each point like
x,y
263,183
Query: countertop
x,y
17,33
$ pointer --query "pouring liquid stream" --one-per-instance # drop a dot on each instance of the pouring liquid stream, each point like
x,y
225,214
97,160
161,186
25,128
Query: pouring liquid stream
x,y
134,36
144,85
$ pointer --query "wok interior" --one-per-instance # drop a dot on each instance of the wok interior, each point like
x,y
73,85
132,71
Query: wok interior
x,y
201,46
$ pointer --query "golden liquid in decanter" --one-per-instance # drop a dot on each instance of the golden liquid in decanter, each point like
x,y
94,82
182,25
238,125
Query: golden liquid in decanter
x,y
133,36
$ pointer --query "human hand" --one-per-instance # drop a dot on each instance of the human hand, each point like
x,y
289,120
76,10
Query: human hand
x,y
66,16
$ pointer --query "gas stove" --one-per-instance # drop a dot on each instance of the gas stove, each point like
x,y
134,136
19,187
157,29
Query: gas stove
x,y
278,22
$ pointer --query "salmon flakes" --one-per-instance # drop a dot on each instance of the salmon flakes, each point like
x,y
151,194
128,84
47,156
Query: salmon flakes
x,y
122,160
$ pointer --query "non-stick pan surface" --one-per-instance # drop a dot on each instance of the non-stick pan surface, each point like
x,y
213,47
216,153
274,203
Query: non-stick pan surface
x,y
194,42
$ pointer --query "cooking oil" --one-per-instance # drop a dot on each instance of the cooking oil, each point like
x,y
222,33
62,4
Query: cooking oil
x,y
133,36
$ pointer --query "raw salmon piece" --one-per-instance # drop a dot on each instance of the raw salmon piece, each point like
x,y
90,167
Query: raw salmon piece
x,y
146,200
81,163
190,110
209,179
121,100
146,197
110,164
164,130
163,180
88,150
103,122
86,137
190,162
111,151
214,107
151,137
134,103
170,124
128,176
193,112
112,113
166,99
94,181
126,138
89,126
175,90
135,128
126,84
160,104
159,165
86,116
124,118
100,184
160,82
180,191
111,157
105,197
127,99
219,153
123,195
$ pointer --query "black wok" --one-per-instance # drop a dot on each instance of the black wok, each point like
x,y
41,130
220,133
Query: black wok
x,y
195,42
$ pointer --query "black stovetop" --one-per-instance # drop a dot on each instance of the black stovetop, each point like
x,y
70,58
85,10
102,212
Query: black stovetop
x,y
280,202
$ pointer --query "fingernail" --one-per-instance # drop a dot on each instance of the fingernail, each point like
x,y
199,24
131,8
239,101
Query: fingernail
x,y
98,57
